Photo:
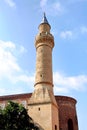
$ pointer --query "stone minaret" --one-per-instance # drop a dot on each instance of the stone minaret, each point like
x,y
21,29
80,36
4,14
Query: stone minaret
x,y
42,104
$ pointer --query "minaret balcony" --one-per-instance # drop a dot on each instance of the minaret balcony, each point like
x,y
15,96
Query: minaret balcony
x,y
44,38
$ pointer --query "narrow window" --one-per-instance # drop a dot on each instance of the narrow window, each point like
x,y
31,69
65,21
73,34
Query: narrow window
x,y
39,109
70,124
55,127
41,75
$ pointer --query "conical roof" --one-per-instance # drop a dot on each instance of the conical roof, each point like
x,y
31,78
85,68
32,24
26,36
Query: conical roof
x,y
44,20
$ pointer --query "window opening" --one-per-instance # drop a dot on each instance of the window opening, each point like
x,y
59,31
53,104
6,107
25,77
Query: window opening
x,y
39,108
70,124
55,127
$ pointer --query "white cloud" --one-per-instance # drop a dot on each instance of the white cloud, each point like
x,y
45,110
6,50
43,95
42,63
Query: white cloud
x,y
83,29
8,62
57,7
11,90
51,8
9,67
65,84
28,79
11,3
2,90
76,32
66,34
43,3
22,49
10,71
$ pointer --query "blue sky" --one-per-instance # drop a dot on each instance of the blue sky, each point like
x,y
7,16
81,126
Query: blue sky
x,y
19,22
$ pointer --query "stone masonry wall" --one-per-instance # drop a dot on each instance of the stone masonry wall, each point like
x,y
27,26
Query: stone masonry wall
x,y
67,113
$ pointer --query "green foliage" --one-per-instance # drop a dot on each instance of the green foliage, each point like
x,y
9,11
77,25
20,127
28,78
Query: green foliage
x,y
15,117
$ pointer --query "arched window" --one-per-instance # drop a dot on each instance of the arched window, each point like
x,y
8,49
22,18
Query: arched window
x,y
70,124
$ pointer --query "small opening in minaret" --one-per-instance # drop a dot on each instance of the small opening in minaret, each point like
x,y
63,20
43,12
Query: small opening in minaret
x,y
39,108
41,75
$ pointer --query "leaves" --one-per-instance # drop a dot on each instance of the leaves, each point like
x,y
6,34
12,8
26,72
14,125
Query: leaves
x,y
15,117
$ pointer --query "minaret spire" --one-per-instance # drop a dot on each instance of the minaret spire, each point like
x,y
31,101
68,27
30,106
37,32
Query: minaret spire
x,y
44,20
44,25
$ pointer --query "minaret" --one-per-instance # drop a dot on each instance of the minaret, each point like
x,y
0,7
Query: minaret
x,y
44,44
42,104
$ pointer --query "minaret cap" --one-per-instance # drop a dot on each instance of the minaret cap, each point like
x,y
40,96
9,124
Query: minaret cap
x,y
44,20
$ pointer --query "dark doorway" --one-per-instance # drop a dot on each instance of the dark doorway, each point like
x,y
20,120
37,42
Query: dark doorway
x,y
70,124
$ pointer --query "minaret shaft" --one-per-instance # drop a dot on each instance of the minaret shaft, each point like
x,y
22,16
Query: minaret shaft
x,y
44,65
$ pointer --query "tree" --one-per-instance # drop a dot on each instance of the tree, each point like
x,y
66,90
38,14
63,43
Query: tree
x,y
2,121
15,117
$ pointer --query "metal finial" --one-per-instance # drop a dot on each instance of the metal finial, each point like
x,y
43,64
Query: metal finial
x,y
44,15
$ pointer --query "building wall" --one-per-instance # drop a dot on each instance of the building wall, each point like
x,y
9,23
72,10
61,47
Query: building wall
x,y
42,115
46,115
67,113
55,120
20,98
66,110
